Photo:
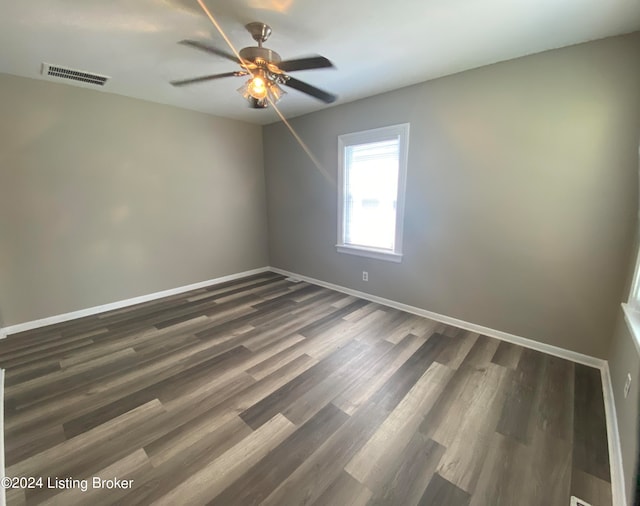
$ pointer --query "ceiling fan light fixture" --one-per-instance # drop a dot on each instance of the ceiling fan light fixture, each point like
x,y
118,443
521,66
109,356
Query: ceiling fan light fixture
x,y
257,87
260,90
274,92
254,103
266,70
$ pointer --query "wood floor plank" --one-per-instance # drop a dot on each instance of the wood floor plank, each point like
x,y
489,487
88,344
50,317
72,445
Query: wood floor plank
x,y
344,302
505,457
324,343
17,375
256,392
466,429
94,418
481,352
106,391
206,429
16,497
590,488
507,355
325,324
274,403
266,391
516,416
457,350
514,473
259,481
375,462
168,473
290,322
363,311
46,348
57,455
387,324
345,490
394,390
556,393
411,478
413,325
36,355
590,447
311,291
549,477
378,374
310,480
440,491
276,361
65,379
211,480
19,448
329,388
132,340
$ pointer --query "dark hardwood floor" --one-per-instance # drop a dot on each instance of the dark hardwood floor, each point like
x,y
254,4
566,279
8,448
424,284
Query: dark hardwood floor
x,y
264,391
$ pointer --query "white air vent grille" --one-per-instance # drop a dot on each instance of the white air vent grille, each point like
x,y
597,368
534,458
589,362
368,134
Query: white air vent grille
x,y
74,75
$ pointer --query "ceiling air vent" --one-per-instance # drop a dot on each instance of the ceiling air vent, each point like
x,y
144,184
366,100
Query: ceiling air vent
x,y
73,75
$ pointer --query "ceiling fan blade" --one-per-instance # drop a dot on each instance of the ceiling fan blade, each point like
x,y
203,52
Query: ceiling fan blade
x,y
312,62
210,49
296,84
206,78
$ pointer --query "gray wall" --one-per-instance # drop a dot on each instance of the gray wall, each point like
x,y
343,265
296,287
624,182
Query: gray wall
x,y
520,196
103,198
623,359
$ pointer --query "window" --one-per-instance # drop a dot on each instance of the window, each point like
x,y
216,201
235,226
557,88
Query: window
x,y
372,169
632,307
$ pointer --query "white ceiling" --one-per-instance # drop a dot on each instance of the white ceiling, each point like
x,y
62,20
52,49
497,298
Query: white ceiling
x,y
376,45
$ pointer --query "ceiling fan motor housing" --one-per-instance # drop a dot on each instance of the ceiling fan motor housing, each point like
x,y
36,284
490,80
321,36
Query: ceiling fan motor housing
x,y
254,54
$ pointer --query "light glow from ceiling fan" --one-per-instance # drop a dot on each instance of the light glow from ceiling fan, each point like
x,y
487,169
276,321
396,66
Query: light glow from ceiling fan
x,y
260,91
257,88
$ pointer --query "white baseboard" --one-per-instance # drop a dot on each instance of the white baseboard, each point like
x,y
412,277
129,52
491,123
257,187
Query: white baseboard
x,y
472,327
618,489
615,454
21,327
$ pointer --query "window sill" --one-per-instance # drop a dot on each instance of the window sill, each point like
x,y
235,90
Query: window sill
x,y
389,256
632,318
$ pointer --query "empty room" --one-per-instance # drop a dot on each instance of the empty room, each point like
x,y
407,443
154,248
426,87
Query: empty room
x,y
287,252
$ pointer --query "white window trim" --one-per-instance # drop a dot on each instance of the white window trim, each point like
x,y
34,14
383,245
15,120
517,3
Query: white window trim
x,y
380,254
367,136
631,308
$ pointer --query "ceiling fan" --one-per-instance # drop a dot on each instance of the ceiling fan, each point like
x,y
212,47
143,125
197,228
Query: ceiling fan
x,y
266,69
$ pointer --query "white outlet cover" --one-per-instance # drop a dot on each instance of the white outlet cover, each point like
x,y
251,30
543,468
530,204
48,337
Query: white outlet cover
x,y
578,502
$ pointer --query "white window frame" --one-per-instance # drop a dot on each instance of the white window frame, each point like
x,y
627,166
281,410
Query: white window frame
x,y
631,308
364,137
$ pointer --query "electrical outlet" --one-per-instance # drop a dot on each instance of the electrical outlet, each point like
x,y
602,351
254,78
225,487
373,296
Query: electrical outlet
x,y
365,276
627,386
